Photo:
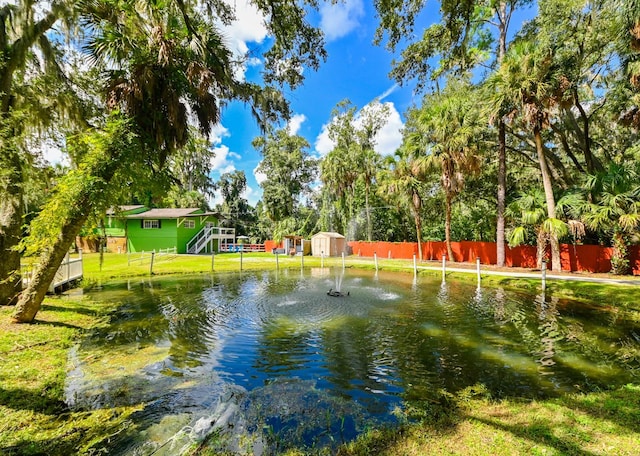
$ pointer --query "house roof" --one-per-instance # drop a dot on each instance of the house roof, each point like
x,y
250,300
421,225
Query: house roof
x,y
168,213
122,209
328,234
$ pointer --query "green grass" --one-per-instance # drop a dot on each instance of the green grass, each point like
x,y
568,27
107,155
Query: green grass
x,y
33,363
577,424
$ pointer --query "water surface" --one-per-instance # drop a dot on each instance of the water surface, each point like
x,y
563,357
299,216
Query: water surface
x,y
272,362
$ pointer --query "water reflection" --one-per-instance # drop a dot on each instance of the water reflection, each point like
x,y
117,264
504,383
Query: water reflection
x,y
278,355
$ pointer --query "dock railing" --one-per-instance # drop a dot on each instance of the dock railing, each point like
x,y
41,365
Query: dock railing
x,y
69,271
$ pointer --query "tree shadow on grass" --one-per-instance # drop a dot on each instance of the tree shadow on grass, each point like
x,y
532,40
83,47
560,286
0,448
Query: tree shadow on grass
x,y
540,432
36,401
57,324
71,309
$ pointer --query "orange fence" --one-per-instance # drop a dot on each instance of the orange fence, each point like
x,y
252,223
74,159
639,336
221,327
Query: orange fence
x,y
270,245
588,258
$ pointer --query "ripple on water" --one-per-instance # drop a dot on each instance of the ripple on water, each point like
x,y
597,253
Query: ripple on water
x,y
286,364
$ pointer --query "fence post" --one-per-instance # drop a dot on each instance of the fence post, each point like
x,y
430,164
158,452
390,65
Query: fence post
x,y
322,258
212,256
389,254
302,258
153,254
343,260
478,269
277,262
241,259
375,259
544,275
415,267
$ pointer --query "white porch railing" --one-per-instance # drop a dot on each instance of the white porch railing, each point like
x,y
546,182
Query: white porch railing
x,y
208,233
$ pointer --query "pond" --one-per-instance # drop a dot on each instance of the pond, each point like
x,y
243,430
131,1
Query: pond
x,y
257,363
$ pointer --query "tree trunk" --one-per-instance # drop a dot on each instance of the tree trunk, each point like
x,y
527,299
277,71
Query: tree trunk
x,y
31,299
541,247
503,24
11,212
447,226
502,193
549,198
99,173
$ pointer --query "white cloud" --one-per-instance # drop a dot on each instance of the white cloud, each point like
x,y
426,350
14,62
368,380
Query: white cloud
x,y
218,133
295,123
249,27
251,195
222,162
323,143
259,175
387,140
389,137
339,19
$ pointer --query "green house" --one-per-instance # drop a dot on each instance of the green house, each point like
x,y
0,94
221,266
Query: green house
x,y
115,222
189,230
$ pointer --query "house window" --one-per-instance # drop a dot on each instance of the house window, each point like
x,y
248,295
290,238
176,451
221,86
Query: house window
x,y
189,224
150,224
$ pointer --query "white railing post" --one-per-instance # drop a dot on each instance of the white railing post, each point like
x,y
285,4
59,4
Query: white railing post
x,y
444,266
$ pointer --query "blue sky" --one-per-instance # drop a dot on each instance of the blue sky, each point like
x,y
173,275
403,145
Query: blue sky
x,y
355,69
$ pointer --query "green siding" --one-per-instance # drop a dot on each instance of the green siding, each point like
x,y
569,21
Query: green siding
x,y
186,234
115,227
169,235
140,239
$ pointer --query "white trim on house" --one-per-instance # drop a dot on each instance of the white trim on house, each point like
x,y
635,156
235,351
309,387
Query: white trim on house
x,y
151,224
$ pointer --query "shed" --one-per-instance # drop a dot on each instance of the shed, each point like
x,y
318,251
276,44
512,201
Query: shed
x,y
328,244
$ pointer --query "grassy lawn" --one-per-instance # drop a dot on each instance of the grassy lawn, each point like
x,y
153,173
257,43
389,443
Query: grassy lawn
x,y
35,420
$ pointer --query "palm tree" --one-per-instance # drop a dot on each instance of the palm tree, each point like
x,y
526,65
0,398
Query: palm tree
x,y
612,206
163,63
338,170
372,118
402,181
530,208
526,81
450,129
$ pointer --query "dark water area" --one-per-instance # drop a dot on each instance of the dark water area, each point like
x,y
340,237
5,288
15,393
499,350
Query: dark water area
x,y
271,361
